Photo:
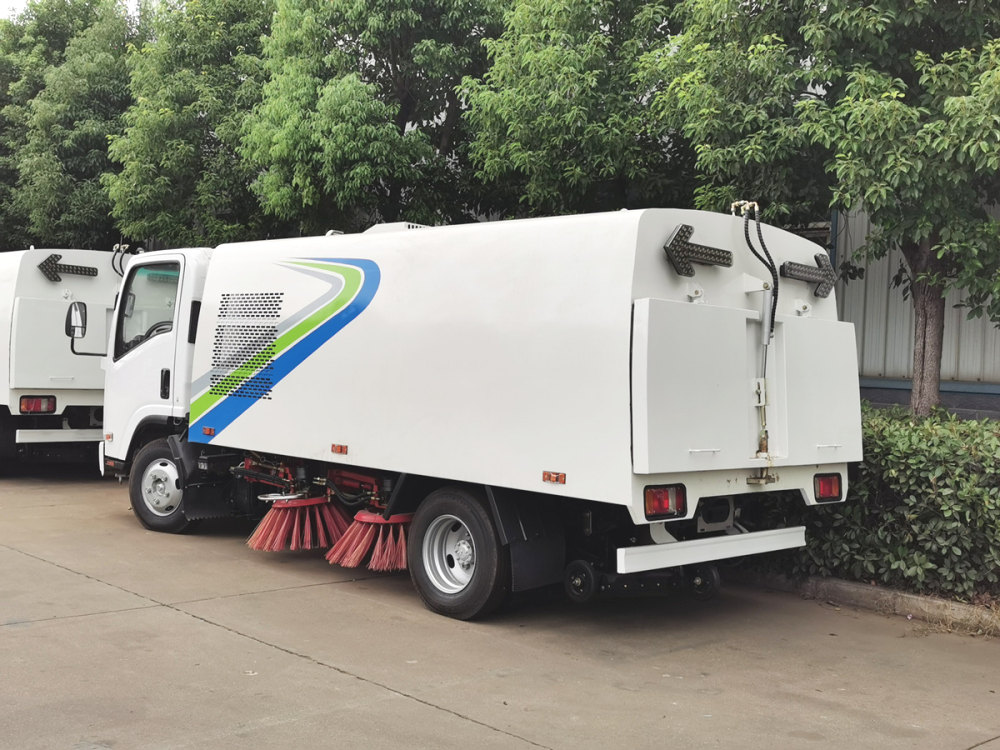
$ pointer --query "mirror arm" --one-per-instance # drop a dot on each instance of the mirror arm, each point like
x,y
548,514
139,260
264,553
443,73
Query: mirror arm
x,y
72,348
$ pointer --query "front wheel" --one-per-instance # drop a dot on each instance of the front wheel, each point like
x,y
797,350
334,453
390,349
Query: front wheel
x,y
456,561
154,489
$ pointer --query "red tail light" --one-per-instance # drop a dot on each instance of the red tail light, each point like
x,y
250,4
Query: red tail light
x,y
667,501
38,404
827,488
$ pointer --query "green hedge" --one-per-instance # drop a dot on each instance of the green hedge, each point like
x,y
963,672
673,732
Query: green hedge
x,y
922,512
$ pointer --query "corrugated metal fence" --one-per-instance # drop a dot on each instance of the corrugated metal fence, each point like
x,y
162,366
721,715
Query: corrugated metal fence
x,y
884,321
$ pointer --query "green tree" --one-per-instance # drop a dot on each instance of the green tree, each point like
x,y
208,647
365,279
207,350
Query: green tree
x,y
182,180
360,118
60,167
29,46
889,106
561,115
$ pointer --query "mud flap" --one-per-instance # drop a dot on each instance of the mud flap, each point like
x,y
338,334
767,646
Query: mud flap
x,y
201,499
533,532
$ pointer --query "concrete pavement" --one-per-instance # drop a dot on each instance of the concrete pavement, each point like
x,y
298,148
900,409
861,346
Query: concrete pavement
x,y
115,637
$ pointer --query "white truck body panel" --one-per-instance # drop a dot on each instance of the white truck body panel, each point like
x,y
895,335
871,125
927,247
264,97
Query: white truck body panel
x,y
37,355
504,353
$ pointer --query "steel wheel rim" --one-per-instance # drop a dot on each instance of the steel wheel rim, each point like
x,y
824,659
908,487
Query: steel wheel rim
x,y
449,554
159,488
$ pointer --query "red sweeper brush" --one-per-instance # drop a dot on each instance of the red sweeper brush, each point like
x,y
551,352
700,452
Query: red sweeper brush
x,y
299,523
384,537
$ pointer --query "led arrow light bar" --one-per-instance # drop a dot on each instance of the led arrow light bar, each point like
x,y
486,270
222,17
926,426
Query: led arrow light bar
x,y
682,253
822,275
51,268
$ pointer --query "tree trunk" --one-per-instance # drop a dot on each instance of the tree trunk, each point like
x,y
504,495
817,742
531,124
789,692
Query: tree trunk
x,y
928,336
928,329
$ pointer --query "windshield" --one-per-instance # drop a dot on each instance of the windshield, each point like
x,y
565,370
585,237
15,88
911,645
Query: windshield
x,y
147,306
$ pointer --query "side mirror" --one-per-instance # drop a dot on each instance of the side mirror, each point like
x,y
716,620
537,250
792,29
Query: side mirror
x,y
76,320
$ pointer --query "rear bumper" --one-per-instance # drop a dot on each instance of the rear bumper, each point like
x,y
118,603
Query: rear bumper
x,y
59,436
673,554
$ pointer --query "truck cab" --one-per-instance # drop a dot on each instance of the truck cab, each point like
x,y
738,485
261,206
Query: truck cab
x,y
149,351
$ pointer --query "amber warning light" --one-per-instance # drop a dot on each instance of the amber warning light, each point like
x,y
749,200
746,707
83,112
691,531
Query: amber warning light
x,y
666,501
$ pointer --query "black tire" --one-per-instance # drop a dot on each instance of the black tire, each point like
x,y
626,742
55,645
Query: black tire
x,y
704,582
456,561
157,500
580,582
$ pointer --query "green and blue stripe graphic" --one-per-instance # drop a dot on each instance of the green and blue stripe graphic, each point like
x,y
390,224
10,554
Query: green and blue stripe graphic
x,y
236,393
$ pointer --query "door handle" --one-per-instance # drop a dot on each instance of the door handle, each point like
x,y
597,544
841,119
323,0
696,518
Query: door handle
x,y
164,383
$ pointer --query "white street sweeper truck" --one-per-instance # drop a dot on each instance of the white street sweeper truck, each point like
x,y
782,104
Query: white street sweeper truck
x,y
52,397
613,400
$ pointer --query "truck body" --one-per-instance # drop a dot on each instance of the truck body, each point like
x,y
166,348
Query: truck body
x,y
52,398
605,407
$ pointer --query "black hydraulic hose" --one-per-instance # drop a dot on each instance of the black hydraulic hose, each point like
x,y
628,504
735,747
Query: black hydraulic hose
x,y
351,501
766,260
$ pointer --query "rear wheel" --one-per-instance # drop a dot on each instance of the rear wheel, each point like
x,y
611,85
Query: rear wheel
x,y
704,582
456,561
154,489
580,582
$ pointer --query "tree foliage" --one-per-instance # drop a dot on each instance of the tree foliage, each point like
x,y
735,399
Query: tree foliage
x,y
30,45
730,82
60,166
924,511
182,180
890,99
561,115
360,117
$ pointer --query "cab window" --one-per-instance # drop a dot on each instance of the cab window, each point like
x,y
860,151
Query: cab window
x,y
147,305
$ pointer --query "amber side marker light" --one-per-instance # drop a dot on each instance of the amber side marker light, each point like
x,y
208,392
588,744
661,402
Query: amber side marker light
x,y
827,488
665,501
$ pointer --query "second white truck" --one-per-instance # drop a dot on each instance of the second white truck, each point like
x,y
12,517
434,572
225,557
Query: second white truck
x,y
607,400
52,398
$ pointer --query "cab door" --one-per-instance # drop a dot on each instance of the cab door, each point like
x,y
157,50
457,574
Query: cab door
x,y
140,378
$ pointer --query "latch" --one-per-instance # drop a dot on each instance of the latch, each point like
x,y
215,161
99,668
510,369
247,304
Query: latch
x,y
760,392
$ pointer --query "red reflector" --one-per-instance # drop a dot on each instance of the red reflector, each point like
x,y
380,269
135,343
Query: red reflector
x,y
340,450
38,404
210,431
827,487
665,502
554,477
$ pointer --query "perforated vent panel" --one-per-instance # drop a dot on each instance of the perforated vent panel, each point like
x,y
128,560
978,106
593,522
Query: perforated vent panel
x,y
243,350
257,389
253,305
242,346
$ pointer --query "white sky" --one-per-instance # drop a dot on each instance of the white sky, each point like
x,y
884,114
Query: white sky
x,y
10,8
